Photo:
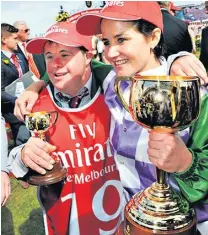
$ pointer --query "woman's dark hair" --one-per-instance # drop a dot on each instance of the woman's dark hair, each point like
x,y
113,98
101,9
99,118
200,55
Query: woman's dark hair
x,y
82,48
146,28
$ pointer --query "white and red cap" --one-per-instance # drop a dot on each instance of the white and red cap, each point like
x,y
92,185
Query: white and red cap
x,y
89,24
64,33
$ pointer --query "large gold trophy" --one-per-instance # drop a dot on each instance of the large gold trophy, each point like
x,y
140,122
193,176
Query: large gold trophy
x,y
38,123
165,104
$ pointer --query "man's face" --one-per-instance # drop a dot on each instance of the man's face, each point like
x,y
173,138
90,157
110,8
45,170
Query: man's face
x,y
66,67
11,42
206,7
24,32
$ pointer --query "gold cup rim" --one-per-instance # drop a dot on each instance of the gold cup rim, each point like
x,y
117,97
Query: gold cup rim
x,y
37,113
165,78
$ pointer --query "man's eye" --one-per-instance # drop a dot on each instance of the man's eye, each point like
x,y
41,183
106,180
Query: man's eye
x,y
49,57
65,55
120,40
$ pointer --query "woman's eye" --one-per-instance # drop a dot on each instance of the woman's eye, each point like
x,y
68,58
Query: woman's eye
x,y
120,40
106,43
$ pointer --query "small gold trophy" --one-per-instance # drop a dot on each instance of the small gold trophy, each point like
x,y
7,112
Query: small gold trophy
x,y
38,123
165,104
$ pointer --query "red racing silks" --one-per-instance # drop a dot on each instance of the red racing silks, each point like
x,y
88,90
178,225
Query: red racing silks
x,y
89,201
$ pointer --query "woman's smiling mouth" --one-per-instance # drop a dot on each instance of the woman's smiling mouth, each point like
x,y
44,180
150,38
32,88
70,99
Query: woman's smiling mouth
x,y
120,62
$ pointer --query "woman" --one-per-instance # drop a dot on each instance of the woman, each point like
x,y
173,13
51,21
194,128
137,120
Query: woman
x,y
132,34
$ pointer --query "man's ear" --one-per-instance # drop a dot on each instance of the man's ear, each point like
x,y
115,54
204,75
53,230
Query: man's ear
x,y
3,40
89,56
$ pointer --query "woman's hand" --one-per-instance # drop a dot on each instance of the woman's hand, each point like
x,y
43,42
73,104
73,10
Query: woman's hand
x,y
168,152
25,103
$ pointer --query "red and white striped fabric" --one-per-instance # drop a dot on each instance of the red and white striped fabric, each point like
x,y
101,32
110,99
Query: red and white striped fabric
x,y
90,200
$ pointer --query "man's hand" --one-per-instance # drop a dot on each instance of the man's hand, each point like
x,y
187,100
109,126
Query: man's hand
x,y
5,188
26,101
35,155
189,66
168,152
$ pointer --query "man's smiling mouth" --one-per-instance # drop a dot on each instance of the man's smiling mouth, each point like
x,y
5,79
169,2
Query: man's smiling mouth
x,y
60,74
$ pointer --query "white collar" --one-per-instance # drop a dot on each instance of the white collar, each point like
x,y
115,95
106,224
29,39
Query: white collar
x,y
164,9
160,70
22,47
7,53
87,85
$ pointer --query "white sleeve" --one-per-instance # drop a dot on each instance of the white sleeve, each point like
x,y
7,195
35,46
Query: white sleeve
x,y
172,58
4,147
15,164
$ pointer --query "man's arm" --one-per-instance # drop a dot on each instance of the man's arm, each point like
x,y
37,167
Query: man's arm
x,y
26,101
5,97
204,48
34,154
181,64
186,64
5,181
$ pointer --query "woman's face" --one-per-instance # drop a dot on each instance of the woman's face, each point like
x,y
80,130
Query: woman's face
x,y
128,50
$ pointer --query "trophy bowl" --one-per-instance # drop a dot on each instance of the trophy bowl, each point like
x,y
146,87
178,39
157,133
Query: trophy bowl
x,y
38,123
165,104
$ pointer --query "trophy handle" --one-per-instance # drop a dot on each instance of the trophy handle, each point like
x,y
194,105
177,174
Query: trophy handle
x,y
119,92
55,119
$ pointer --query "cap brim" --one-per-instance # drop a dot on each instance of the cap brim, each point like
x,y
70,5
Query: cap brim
x,y
36,46
89,24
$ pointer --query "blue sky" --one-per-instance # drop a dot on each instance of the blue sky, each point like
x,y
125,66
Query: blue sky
x,y
40,15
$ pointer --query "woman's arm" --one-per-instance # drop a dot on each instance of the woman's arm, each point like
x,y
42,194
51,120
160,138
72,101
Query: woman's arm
x,y
194,181
187,163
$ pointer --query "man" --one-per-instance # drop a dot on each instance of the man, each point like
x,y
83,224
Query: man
x,y
85,204
176,35
10,71
204,48
36,167
34,63
206,7
173,9
204,43
5,181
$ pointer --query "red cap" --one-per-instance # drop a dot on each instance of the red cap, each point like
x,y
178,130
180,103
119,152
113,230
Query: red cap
x,y
89,24
174,8
64,33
